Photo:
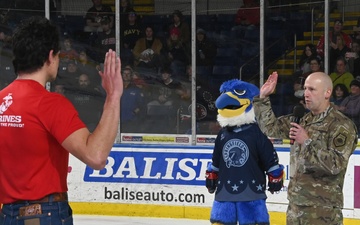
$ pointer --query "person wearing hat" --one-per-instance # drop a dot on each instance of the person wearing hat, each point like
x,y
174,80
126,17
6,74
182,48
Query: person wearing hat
x,y
105,40
178,21
130,33
350,106
178,56
205,49
337,29
125,9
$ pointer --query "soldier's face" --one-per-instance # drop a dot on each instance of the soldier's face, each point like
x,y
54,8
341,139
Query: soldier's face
x,y
315,95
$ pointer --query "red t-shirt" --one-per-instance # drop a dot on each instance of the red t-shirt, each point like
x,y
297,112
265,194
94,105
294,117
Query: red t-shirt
x,y
33,124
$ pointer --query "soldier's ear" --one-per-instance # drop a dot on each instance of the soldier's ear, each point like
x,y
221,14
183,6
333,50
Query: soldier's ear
x,y
328,94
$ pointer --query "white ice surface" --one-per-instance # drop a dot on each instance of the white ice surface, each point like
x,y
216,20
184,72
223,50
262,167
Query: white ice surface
x,y
122,220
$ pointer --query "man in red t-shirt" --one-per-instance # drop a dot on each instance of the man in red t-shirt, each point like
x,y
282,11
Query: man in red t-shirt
x,y
38,129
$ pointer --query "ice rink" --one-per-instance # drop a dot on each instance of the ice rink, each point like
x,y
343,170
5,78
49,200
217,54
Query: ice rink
x,y
122,220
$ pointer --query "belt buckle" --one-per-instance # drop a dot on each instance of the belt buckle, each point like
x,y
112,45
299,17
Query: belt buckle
x,y
30,210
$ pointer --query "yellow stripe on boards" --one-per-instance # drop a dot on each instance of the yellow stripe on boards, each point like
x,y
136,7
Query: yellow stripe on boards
x,y
144,210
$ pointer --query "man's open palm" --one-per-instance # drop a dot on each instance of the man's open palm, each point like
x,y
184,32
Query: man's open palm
x,y
269,86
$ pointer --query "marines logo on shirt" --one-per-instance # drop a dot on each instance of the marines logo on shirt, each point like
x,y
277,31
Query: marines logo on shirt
x,y
8,100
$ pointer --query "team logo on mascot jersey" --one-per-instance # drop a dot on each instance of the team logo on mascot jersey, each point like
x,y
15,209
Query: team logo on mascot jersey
x,y
235,153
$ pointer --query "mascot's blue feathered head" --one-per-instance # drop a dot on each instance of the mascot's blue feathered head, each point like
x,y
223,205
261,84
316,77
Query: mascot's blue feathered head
x,y
234,104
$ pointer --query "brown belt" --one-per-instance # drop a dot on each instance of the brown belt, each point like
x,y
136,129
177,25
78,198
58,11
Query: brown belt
x,y
55,197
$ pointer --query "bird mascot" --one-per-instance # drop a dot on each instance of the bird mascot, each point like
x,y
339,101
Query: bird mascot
x,y
241,159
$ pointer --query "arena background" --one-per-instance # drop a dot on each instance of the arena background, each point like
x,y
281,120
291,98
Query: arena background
x,y
152,172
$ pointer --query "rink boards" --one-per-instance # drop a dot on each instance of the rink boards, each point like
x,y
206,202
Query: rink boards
x,y
167,180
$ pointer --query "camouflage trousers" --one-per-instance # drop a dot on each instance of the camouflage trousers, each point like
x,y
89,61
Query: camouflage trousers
x,y
311,215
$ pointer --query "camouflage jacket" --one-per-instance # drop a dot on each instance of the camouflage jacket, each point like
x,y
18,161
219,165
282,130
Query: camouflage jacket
x,y
316,171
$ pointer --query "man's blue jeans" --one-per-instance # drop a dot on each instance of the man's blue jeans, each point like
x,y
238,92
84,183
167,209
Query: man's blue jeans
x,y
54,213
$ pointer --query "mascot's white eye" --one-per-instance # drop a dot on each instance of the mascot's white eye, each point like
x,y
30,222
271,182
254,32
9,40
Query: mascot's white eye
x,y
240,92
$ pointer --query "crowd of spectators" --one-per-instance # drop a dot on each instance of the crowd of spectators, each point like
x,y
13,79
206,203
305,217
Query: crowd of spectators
x,y
343,69
158,56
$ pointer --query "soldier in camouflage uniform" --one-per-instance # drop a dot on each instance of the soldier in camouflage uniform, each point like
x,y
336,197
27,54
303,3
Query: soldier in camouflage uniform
x,y
324,141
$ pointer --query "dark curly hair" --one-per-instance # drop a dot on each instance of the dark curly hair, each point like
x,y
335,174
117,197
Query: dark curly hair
x,y
342,87
32,41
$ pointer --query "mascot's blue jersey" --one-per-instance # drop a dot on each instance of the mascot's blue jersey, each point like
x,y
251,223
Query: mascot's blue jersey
x,y
242,155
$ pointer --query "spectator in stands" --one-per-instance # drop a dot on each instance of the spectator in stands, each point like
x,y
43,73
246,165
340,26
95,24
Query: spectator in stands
x,y
67,52
95,15
205,50
59,88
88,66
87,100
125,9
340,92
186,82
337,29
337,50
298,97
147,50
170,90
341,76
130,33
137,76
5,30
177,54
356,34
138,80
247,17
350,106
352,58
178,21
5,35
142,81
304,63
132,109
206,112
166,100
315,66
68,77
356,30
106,40
5,49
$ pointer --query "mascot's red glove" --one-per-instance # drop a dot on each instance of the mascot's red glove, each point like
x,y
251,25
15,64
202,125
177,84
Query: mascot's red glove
x,y
211,181
276,179
211,178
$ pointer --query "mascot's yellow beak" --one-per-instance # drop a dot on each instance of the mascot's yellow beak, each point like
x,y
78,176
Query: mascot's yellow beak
x,y
238,105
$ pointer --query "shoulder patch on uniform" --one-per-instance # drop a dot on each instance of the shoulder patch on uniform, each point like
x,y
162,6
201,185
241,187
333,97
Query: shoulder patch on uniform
x,y
340,140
